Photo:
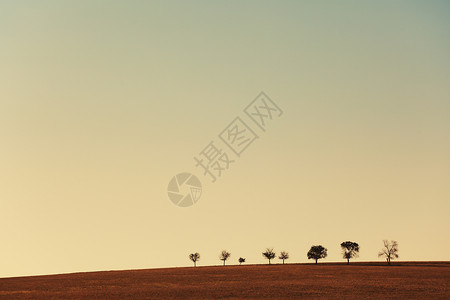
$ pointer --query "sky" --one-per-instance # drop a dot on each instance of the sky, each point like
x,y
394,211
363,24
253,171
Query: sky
x,y
102,103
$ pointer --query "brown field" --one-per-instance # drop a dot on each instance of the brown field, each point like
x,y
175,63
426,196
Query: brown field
x,y
411,280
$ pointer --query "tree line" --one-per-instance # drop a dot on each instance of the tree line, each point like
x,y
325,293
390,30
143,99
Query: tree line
x,y
349,250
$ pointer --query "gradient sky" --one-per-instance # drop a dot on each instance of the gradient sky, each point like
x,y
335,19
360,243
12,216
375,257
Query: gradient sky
x,y
102,102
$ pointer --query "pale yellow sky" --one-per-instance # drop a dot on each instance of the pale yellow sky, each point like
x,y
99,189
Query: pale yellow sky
x,y
102,102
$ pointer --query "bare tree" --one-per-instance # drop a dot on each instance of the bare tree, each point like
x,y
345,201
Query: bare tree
x,y
241,260
349,250
389,251
269,254
283,255
194,257
224,256
317,252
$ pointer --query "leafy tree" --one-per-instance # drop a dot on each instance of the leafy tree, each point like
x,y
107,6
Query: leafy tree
x,y
283,255
269,254
194,257
241,260
349,250
389,251
317,252
224,256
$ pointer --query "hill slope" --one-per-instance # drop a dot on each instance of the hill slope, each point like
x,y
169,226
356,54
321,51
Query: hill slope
x,y
418,280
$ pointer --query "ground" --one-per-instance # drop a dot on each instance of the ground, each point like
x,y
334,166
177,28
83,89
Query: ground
x,y
402,280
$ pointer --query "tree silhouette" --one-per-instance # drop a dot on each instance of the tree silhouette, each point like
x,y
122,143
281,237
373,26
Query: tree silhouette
x,y
269,254
194,257
389,251
224,256
349,250
317,252
241,260
283,255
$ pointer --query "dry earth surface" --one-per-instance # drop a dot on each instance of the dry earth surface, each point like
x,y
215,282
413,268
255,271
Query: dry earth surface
x,y
402,280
